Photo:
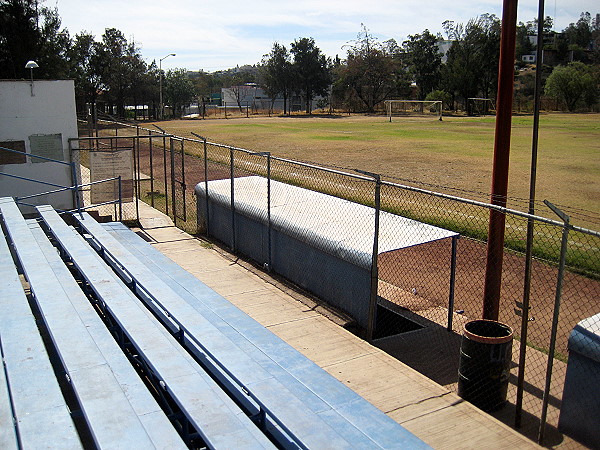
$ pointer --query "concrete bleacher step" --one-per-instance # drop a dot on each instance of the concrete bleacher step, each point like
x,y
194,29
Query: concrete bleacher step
x,y
100,218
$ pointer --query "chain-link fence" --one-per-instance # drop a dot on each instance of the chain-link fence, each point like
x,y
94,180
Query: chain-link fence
x,y
407,264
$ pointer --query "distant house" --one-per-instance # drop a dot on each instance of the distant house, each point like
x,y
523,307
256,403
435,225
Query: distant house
x,y
530,59
444,47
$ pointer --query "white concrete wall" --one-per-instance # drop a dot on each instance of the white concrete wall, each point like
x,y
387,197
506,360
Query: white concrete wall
x,y
50,110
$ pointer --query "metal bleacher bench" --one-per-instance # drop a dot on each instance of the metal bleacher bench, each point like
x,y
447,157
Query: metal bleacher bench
x,y
226,381
32,409
118,409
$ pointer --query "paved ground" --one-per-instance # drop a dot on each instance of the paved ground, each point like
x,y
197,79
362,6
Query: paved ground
x,y
430,411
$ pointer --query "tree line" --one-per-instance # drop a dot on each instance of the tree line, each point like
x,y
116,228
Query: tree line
x,y
112,67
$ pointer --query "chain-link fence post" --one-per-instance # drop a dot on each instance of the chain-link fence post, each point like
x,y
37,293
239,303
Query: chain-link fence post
x,y
164,143
374,270
121,200
205,151
75,179
269,229
522,309
136,173
231,178
173,206
559,283
268,264
182,182
206,183
75,185
452,283
137,162
151,162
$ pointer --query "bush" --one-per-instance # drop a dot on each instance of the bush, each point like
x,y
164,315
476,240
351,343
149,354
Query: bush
x,y
574,84
440,95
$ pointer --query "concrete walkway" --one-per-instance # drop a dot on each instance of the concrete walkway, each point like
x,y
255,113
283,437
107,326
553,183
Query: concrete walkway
x,y
430,411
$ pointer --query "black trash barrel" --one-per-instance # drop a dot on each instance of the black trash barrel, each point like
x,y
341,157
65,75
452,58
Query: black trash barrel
x,y
484,368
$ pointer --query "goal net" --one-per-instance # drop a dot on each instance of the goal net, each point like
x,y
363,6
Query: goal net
x,y
480,106
414,108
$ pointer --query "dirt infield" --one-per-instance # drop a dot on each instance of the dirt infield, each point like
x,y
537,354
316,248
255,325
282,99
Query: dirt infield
x,y
419,268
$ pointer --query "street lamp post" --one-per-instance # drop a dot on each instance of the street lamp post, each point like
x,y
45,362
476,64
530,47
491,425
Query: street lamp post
x,y
160,83
31,65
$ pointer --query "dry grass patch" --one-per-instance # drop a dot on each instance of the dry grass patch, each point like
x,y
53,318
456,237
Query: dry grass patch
x,y
455,153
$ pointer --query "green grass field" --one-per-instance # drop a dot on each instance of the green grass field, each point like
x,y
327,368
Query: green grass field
x,y
456,153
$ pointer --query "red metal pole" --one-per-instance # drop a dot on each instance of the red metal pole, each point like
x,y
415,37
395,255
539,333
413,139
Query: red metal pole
x,y
495,247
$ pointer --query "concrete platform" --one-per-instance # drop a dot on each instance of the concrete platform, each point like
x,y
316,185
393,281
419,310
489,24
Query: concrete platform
x,y
423,407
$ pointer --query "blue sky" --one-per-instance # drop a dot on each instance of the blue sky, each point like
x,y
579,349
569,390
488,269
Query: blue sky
x,y
214,35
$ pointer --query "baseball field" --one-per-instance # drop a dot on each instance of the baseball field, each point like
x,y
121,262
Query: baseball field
x,y
455,154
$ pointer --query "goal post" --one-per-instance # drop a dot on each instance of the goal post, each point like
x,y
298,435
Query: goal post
x,y
477,106
414,106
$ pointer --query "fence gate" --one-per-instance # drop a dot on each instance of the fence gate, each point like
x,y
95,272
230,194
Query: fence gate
x,y
98,162
178,187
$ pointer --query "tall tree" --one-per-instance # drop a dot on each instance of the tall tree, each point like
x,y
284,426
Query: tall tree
x,y
54,45
596,40
138,72
149,89
580,39
119,58
574,84
86,69
424,60
29,31
277,74
204,83
114,77
311,70
580,33
370,70
471,69
179,90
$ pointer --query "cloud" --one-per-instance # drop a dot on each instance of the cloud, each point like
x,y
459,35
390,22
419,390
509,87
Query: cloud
x,y
215,35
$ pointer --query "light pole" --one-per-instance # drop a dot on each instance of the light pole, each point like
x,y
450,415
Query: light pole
x,y
160,83
31,65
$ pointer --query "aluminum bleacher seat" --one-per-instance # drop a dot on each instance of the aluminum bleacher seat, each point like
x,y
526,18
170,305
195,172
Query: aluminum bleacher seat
x,y
148,356
250,348
33,411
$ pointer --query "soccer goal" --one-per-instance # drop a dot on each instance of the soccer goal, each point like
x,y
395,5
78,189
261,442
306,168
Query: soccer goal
x,y
414,107
480,106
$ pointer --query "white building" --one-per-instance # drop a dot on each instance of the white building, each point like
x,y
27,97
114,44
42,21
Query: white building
x,y
254,97
37,117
